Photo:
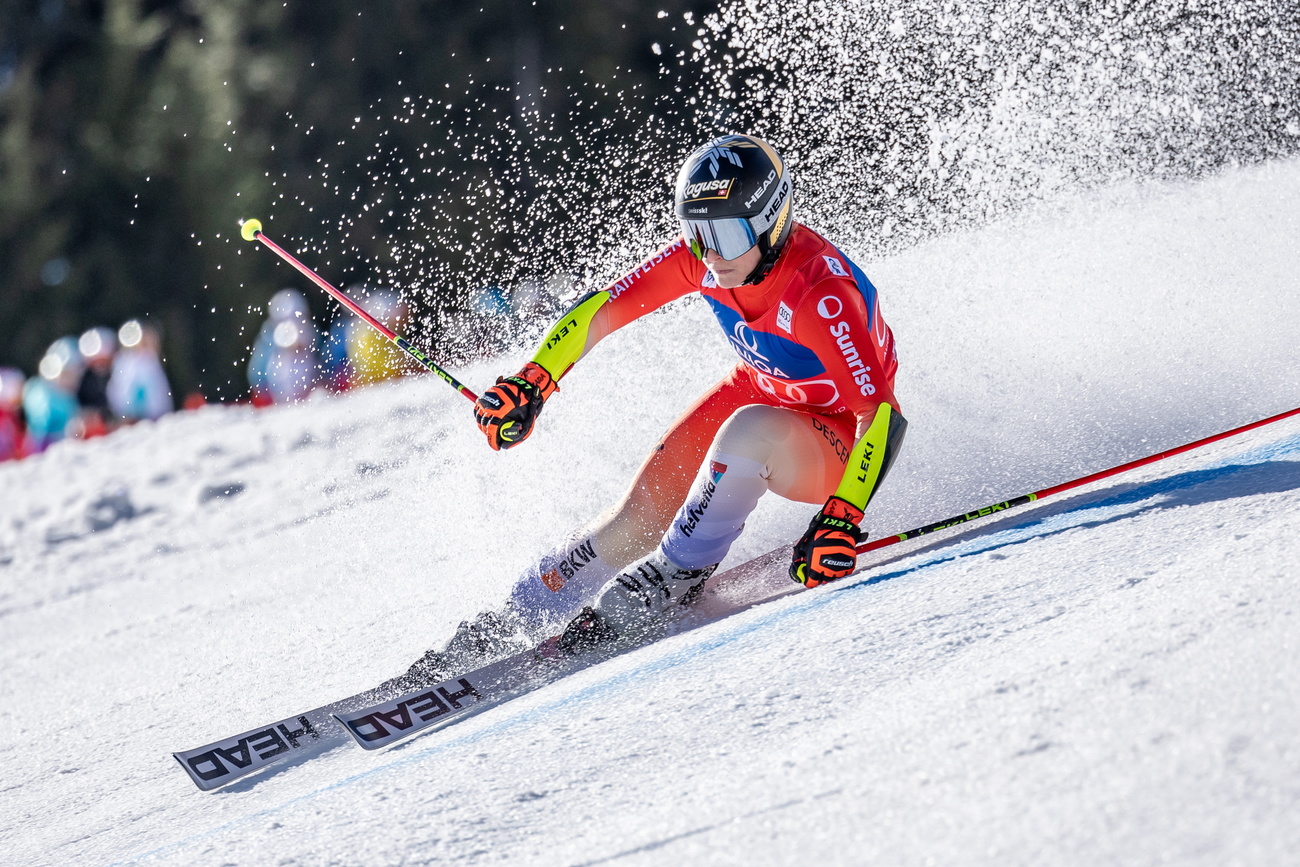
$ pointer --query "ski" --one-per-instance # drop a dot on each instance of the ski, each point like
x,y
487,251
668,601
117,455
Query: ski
x,y
219,763
454,699
392,712
375,717
388,713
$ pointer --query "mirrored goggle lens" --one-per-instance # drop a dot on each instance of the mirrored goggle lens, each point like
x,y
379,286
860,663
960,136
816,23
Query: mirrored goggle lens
x,y
730,238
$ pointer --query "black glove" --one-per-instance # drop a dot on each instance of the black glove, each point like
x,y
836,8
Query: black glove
x,y
506,411
829,549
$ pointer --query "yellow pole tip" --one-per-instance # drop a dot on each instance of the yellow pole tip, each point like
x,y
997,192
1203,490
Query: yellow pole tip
x,y
250,228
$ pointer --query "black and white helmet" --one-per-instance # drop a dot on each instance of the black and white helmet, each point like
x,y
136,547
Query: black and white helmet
x,y
732,194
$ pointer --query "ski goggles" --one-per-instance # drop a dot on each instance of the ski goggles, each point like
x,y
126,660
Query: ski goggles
x,y
730,238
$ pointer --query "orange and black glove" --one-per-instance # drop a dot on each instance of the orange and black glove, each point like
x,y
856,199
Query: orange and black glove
x,y
506,411
829,550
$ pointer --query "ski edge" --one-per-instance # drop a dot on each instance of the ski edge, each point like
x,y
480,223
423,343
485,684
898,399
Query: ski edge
x,y
448,701
224,761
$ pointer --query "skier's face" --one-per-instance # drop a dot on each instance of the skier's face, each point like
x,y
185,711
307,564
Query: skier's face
x,y
731,273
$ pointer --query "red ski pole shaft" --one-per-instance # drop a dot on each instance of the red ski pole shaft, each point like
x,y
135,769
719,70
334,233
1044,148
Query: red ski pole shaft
x,y
251,230
1065,486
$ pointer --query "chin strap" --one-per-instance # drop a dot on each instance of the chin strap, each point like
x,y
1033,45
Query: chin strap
x,y
770,255
764,267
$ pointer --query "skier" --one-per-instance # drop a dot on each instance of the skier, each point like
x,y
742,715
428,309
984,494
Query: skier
x,y
808,413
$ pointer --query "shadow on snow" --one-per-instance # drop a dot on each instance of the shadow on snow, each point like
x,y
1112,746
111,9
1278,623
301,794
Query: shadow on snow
x,y
1192,488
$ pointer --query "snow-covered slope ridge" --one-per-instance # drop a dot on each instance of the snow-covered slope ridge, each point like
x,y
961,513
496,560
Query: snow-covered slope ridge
x,y
1107,677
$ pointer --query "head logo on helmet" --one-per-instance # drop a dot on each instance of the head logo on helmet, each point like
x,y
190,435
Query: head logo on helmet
x,y
732,194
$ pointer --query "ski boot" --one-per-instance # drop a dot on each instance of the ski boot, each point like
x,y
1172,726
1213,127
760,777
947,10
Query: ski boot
x,y
635,603
486,638
588,630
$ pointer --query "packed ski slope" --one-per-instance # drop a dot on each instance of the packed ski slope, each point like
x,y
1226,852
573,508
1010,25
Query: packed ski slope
x,y
1107,678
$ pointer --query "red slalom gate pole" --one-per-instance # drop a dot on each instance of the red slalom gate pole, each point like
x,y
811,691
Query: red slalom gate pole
x,y
956,520
251,230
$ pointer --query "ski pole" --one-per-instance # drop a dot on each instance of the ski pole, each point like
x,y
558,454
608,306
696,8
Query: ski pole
x,y
1065,486
251,230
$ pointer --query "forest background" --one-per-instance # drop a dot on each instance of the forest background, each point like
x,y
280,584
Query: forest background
x,y
525,149
134,134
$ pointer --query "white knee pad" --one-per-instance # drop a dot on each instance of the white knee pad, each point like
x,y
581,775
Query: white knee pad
x,y
731,480
725,492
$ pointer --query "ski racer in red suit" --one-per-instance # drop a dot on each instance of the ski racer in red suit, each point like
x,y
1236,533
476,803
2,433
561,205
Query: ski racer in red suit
x,y
808,412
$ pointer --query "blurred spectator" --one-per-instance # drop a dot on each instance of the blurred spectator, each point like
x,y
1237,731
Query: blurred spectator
x,y
491,302
12,430
372,356
284,366
490,325
138,388
536,298
50,400
336,369
97,346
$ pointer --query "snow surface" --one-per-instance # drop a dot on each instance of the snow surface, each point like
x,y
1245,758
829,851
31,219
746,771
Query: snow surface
x,y
1106,678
